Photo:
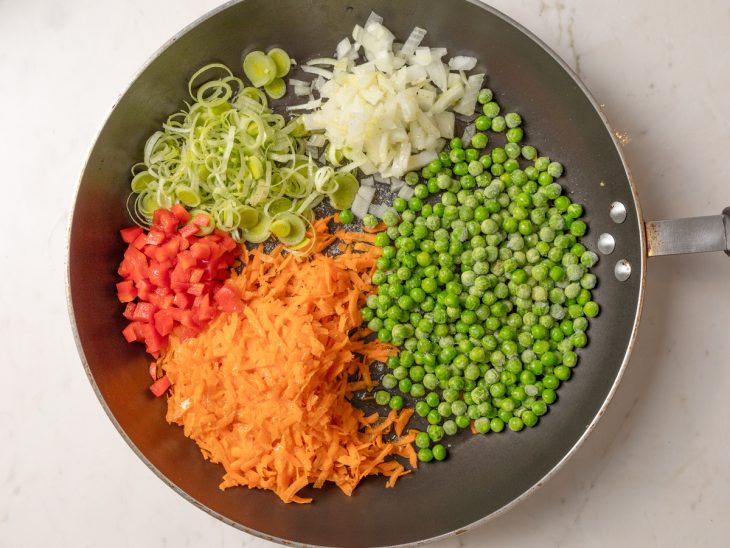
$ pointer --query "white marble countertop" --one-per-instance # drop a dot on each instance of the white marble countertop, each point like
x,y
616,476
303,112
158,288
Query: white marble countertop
x,y
656,471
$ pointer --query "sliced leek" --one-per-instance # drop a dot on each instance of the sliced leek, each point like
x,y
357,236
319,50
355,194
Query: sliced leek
x,y
259,68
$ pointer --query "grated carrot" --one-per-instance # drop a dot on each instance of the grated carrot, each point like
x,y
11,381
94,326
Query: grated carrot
x,y
265,391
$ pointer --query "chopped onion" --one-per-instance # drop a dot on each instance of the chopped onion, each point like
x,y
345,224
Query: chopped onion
x,y
469,132
302,91
379,210
343,48
406,192
373,18
324,73
468,102
461,62
414,40
446,122
396,184
391,112
367,181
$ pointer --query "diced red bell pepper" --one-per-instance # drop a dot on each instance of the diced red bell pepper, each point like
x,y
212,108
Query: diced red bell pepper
x,y
130,332
200,250
126,292
130,234
201,219
189,230
160,386
166,221
155,237
196,275
186,260
158,275
135,262
164,322
140,241
170,279
227,300
152,339
129,311
196,289
182,300
180,213
144,312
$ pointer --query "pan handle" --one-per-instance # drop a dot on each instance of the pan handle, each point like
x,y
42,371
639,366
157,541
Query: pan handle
x,y
693,235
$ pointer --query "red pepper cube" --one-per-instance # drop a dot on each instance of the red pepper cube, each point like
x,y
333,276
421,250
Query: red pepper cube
x,y
160,386
189,230
182,300
201,219
196,289
196,275
129,311
180,213
126,291
144,312
186,260
130,332
166,221
200,250
131,233
155,237
164,322
227,300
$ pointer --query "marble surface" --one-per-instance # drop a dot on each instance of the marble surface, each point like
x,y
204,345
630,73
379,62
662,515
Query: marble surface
x,y
654,473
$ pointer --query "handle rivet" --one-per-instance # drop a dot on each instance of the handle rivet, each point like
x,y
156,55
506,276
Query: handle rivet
x,y
622,270
606,243
618,212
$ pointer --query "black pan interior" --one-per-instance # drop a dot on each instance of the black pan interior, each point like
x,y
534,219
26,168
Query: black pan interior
x,y
483,473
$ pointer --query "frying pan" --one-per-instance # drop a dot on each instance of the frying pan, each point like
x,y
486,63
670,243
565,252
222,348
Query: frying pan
x,y
484,475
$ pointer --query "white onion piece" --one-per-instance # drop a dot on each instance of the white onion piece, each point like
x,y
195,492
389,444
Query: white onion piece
x,y
446,122
380,179
302,91
469,132
306,106
359,207
468,102
322,61
406,192
438,74
396,184
324,73
367,181
373,18
461,62
379,210
448,98
343,48
421,159
414,40
295,82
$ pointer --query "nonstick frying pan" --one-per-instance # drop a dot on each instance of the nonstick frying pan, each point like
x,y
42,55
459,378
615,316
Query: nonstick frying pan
x,y
484,475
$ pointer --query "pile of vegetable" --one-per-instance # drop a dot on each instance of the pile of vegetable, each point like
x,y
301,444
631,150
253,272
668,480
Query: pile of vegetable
x,y
229,156
487,291
172,277
389,114
469,280
264,389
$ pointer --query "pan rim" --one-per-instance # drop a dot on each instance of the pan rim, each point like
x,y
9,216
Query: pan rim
x,y
475,524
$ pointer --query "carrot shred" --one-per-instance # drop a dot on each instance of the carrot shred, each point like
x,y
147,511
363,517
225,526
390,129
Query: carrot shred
x,y
265,390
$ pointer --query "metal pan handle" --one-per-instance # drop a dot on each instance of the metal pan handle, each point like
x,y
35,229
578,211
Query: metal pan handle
x,y
694,235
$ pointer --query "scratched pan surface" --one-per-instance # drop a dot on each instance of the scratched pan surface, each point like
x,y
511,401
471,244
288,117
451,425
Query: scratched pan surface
x,y
484,474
